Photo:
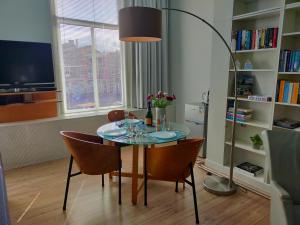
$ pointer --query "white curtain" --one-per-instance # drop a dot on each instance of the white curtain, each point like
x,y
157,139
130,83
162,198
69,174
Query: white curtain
x,y
146,64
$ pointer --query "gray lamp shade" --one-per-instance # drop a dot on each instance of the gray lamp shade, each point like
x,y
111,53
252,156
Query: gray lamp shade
x,y
140,24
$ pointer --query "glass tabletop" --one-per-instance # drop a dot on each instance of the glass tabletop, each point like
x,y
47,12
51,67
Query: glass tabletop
x,y
135,132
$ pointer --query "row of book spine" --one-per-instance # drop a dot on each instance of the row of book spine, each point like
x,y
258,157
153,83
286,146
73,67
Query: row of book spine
x,y
254,39
289,61
288,92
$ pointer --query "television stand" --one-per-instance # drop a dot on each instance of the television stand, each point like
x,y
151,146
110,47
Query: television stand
x,y
27,105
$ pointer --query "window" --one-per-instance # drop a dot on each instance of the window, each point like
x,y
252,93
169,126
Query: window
x,y
90,54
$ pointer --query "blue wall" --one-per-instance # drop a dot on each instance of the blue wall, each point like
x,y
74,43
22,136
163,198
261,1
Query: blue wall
x,y
25,20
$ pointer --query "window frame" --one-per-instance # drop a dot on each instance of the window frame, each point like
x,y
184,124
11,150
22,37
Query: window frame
x,y
58,54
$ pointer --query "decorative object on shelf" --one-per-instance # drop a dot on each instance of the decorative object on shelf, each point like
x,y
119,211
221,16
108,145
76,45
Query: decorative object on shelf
x,y
256,141
248,65
144,24
160,101
255,39
249,169
287,123
245,85
238,64
258,98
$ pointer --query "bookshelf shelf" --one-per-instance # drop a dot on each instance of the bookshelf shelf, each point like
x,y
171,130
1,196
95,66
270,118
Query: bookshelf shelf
x,y
289,73
282,128
270,12
255,50
246,146
291,34
253,123
258,178
295,5
288,104
247,100
253,70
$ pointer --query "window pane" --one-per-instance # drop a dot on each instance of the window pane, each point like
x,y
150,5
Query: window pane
x,y
108,67
103,11
77,55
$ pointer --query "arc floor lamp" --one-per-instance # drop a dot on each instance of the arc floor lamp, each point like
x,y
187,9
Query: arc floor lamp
x,y
144,24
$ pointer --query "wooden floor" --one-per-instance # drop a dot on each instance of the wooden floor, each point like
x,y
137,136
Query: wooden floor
x,y
36,194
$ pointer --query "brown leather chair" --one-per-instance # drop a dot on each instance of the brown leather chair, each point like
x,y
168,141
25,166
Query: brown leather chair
x,y
117,115
173,163
92,157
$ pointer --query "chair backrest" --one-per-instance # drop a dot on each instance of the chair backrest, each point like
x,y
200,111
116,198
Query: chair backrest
x,y
91,156
171,163
283,154
4,215
117,115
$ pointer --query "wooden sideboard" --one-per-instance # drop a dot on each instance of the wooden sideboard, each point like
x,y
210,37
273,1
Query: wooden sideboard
x,y
31,106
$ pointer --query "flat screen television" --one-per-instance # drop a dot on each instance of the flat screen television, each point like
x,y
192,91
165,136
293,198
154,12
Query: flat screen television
x,y
25,64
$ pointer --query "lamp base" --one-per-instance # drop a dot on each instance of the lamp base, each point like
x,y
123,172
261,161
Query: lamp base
x,y
219,186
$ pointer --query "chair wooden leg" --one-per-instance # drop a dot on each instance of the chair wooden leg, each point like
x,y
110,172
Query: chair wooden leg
x,y
194,193
120,175
145,175
176,188
68,183
102,180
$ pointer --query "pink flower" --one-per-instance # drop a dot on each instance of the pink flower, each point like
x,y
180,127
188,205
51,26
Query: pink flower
x,y
149,97
169,98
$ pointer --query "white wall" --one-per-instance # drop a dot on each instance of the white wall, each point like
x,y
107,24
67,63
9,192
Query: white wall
x,y
25,20
189,51
34,142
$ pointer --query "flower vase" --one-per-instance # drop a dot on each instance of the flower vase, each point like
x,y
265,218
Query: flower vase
x,y
160,115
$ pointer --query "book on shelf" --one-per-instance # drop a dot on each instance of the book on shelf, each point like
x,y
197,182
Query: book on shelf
x,y
239,116
243,111
249,169
255,39
242,115
288,92
287,123
289,61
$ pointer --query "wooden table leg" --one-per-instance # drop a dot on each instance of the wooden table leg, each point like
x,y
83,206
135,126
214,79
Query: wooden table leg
x,y
135,173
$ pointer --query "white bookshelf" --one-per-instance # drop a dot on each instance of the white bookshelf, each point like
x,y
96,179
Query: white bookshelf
x,y
252,15
264,14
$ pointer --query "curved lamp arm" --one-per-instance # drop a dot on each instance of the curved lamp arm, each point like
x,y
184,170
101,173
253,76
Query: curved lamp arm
x,y
235,83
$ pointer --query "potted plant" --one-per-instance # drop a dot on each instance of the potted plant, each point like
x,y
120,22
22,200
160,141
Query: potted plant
x,y
160,101
257,142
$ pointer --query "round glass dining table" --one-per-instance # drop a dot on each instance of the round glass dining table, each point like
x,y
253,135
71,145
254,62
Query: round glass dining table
x,y
135,133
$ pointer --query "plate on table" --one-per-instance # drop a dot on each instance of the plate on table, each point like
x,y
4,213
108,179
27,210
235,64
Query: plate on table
x,y
164,134
121,123
115,132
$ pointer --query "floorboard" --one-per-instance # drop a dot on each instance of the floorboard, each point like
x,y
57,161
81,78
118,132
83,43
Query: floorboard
x,y
36,195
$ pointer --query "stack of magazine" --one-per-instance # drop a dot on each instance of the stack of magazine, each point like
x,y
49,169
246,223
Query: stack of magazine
x,y
249,169
243,115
